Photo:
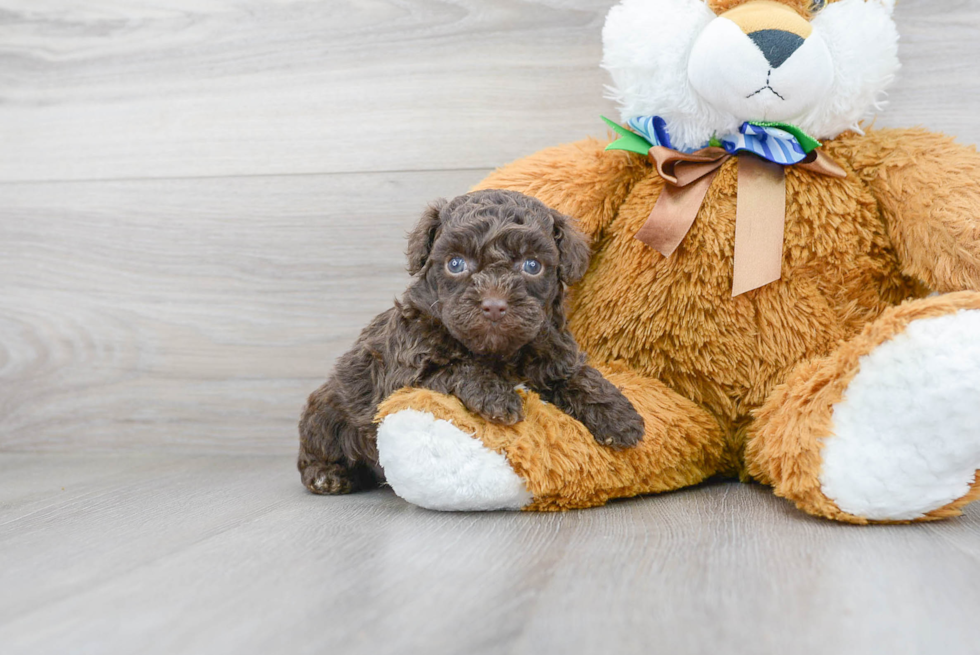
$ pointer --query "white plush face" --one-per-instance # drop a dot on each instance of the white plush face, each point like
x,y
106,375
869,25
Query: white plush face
x,y
706,74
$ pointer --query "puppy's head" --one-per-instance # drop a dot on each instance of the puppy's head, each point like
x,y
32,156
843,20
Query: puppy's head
x,y
491,266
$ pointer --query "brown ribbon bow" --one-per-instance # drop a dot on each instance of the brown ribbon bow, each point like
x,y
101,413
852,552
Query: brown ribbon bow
x,y
760,216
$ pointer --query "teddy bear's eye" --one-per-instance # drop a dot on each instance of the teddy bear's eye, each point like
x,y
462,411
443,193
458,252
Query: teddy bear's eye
x,y
456,265
532,267
817,5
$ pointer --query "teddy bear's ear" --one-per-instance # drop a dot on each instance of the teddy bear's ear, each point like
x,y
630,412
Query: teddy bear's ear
x,y
573,249
421,238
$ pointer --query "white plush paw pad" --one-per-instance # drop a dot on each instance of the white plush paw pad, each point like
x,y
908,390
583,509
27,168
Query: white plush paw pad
x,y
433,464
907,433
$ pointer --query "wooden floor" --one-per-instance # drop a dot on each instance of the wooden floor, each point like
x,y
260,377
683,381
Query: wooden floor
x,y
202,203
218,554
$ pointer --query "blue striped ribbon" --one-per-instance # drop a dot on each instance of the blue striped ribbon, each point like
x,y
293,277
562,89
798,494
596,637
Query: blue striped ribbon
x,y
770,143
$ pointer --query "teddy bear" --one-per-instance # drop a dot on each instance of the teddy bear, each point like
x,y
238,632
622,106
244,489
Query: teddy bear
x,y
784,294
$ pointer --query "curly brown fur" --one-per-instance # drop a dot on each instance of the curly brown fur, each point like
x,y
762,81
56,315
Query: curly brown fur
x,y
475,333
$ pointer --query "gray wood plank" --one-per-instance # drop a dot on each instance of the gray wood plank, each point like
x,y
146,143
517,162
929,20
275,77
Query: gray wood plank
x,y
191,314
230,555
88,504
123,89
186,314
128,89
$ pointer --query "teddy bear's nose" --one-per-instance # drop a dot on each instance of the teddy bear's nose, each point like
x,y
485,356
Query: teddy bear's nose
x,y
776,45
775,28
494,309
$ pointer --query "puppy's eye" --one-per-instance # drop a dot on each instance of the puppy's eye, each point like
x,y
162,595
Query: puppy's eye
x,y
816,6
456,265
532,267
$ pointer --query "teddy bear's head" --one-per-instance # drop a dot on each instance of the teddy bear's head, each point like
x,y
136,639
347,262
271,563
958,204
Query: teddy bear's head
x,y
706,67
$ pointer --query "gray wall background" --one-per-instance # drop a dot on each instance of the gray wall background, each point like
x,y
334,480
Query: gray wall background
x,y
203,201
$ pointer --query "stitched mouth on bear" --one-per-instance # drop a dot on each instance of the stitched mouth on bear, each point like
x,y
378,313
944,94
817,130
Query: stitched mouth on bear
x,y
766,88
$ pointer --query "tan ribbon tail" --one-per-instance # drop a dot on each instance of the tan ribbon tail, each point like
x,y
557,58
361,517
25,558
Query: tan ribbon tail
x,y
821,164
674,214
760,220
687,179
760,217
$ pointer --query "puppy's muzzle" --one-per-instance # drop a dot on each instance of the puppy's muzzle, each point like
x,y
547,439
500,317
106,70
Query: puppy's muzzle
x,y
494,308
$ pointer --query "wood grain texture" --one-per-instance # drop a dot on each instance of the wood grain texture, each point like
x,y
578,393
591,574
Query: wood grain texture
x,y
135,89
112,89
191,314
198,214
210,248
165,554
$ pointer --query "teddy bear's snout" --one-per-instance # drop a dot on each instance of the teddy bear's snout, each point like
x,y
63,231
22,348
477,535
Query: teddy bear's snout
x,y
776,45
761,61
776,29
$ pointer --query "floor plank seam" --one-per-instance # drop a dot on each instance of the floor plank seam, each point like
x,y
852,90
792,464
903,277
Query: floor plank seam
x,y
245,176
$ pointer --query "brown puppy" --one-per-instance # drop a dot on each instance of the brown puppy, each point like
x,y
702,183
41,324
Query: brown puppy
x,y
484,314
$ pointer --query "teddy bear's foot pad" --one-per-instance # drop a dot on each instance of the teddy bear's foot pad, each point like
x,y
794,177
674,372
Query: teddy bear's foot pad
x,y
907,433
433,464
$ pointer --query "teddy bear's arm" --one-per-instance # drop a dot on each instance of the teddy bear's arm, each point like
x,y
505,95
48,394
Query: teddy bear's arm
x,y
580,179
928,189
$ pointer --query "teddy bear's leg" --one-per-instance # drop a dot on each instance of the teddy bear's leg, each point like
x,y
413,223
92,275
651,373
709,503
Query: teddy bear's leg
x,y
437,455
885,429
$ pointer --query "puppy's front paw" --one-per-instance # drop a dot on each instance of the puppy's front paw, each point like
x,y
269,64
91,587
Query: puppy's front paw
x,y
616,424
504,407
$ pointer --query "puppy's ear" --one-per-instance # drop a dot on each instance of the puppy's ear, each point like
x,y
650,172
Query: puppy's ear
x,y
421,238
573,249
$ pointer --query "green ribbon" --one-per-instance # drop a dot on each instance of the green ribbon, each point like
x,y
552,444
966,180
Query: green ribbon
x,y
629,141
633,142
807,142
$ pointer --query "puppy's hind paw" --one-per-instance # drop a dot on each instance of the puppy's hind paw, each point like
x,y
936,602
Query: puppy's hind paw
x,y
330,479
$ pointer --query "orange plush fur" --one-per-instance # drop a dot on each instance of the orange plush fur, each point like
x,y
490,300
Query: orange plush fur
x,y
738,386
741,386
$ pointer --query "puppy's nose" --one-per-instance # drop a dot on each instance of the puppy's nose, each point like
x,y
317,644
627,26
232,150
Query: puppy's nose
x,y
494,309
776,45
